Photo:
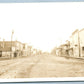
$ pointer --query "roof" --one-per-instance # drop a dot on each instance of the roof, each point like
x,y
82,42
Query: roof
x,y
10,41
75,31
64,44
81,30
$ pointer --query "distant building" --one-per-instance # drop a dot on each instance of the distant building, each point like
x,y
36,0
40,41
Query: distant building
x,y
11,48
25,49
63,49
34,51
30,50
58,51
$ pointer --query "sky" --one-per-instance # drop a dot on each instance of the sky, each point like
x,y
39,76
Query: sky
x,y
42,25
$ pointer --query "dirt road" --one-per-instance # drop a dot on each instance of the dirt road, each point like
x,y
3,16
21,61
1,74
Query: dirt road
x,y
41,66
17,68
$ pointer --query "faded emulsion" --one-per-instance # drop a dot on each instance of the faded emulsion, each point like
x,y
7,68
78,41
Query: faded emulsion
x,y
41,40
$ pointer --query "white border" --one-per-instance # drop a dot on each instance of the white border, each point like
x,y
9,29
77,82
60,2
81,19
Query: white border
x,y
43,79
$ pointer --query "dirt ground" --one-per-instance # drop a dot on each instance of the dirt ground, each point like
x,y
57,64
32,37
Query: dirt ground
x,y
41,66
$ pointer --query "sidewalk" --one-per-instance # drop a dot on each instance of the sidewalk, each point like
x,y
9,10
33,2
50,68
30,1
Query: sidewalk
x,y
72,57
8,58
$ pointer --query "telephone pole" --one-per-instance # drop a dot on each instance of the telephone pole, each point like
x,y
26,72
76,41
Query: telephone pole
x,y
79,43
11,42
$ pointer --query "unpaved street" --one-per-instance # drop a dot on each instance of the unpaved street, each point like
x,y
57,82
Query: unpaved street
x,y
41,66
17,68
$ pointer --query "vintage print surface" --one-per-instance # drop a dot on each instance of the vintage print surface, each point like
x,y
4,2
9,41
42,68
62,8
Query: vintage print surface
x,y
41,40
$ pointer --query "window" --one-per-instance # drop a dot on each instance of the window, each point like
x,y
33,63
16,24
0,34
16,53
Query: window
x,y
75,45
83,48
23,47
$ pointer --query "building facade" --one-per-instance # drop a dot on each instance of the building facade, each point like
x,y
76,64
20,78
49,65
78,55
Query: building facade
x,y
65,50
81,42
25,50
75,47
74,44
59,51
11,48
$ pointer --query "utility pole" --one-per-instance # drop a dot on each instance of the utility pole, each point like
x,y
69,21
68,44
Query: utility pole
x,y
61,46
11,42
79,43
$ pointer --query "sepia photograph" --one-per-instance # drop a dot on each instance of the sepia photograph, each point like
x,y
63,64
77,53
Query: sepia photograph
x,y
42,40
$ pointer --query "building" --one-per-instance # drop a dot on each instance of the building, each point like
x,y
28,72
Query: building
x,y
77,43
30,50
34,51
63,49
5,52
58,51
25,49
81,42
74,44
11,48
74,47
71,46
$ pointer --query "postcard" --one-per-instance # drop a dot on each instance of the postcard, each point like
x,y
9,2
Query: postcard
x,y
42,41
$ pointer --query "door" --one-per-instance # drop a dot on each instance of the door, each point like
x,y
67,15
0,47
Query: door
x,y
0,53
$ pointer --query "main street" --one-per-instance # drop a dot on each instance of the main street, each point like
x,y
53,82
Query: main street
x,y
41,66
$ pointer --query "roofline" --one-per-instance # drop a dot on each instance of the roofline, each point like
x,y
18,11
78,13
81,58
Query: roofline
x,y
81,30
75,31
12,41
